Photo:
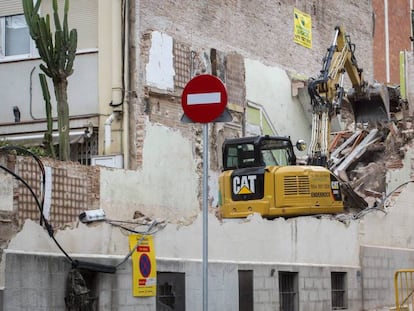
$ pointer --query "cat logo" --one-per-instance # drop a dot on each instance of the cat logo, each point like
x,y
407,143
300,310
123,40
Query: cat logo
x,y
244,184
334,185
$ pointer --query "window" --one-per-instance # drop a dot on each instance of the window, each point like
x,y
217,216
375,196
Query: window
x,y
339,292
170,291
15,41
288,291
277,152
241,155
245,290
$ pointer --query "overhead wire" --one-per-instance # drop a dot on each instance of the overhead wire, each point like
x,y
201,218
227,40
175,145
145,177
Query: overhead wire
x,y
380,206
39,204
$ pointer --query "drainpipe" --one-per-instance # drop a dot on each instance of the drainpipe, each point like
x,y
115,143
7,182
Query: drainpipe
x,y
387,43
117,68
108,130
117,93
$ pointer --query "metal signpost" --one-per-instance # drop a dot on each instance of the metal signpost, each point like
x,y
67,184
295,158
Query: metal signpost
x,y
204,100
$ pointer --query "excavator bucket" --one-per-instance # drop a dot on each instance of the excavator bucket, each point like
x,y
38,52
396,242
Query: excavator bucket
x,y
371,106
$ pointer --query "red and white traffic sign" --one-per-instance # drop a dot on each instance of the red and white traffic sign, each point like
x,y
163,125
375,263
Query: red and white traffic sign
x,y
204,98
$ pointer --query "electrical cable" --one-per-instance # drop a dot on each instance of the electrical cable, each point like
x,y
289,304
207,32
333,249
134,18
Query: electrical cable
x,y
380,207
42,169
137,244
39,204
49,228
113,223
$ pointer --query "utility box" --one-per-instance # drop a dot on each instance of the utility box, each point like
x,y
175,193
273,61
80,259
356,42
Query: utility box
x,y
114,161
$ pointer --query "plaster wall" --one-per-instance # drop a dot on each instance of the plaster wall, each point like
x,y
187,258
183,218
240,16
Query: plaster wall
x,y
303,240
6,192
392,228
159,70
396,177
271,88
165,187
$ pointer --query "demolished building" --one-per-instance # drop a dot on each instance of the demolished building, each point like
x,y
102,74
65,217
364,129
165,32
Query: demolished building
x,y
253,259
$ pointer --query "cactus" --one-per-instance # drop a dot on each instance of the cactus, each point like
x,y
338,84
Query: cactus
x,y
58,54
48,138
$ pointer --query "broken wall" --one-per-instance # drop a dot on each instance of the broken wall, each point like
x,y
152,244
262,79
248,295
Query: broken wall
x,y
301,245
235,41
270,87
263,30
165,187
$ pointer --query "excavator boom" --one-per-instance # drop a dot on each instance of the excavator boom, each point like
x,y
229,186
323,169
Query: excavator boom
x,y
370,103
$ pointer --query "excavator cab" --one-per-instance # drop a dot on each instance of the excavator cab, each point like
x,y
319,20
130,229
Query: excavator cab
x,y
257,151
260,175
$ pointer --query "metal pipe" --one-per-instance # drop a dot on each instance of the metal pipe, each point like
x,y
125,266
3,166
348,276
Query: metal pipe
x,y
31,95
387,42
117,57
17,138
335,39
205,217
108,129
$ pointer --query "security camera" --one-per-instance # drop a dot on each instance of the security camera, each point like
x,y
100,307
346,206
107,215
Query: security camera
x,y
92,215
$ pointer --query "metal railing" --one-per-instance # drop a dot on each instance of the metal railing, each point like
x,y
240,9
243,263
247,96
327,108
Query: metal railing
x,y
404,289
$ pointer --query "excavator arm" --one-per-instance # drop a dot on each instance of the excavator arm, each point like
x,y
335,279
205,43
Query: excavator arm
x,y
327,93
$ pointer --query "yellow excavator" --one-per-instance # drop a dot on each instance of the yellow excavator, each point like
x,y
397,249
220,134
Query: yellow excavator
x,y
370,103
260,174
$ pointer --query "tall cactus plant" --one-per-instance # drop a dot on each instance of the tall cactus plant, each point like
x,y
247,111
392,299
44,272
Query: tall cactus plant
x,y
58,54
48,138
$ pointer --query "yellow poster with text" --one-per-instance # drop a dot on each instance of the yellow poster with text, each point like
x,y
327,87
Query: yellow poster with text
x,y
302,28
144,268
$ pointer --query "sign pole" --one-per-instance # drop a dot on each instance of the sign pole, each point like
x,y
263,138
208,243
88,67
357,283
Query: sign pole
x,y
205,216
204,100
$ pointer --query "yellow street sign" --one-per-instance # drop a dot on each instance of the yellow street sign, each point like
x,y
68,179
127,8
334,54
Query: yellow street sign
x,y
302,28
144,268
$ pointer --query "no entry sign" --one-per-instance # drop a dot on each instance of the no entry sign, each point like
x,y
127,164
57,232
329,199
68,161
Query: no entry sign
x,y
204,98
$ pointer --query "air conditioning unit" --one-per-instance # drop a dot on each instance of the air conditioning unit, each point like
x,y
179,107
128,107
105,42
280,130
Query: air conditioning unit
x,y
115,161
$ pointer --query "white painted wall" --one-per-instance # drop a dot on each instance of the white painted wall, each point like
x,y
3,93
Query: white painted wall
x,y
394,228
160,68
270,87
20,87
396,177
303,240
165,187
6,192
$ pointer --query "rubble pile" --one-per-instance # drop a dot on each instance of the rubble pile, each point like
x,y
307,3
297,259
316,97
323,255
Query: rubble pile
x,y
362,155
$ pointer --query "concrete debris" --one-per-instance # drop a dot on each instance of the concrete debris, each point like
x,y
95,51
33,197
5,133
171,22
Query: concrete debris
x,y
362,157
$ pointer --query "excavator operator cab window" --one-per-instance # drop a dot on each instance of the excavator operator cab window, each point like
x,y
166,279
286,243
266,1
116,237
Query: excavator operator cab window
x,y
266,152
240,156
276,152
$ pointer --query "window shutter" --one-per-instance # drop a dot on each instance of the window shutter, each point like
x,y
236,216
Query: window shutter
x,y
10,7
83,15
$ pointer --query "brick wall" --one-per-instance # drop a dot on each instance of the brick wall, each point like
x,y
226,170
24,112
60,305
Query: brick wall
x,y
44,280
75,188
262,29
233,31
379,265
399,32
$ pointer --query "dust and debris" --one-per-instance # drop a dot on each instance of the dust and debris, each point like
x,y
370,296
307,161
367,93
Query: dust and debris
x,y
363,153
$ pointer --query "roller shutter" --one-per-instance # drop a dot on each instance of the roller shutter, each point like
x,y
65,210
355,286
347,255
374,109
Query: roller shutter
x,y
10,7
